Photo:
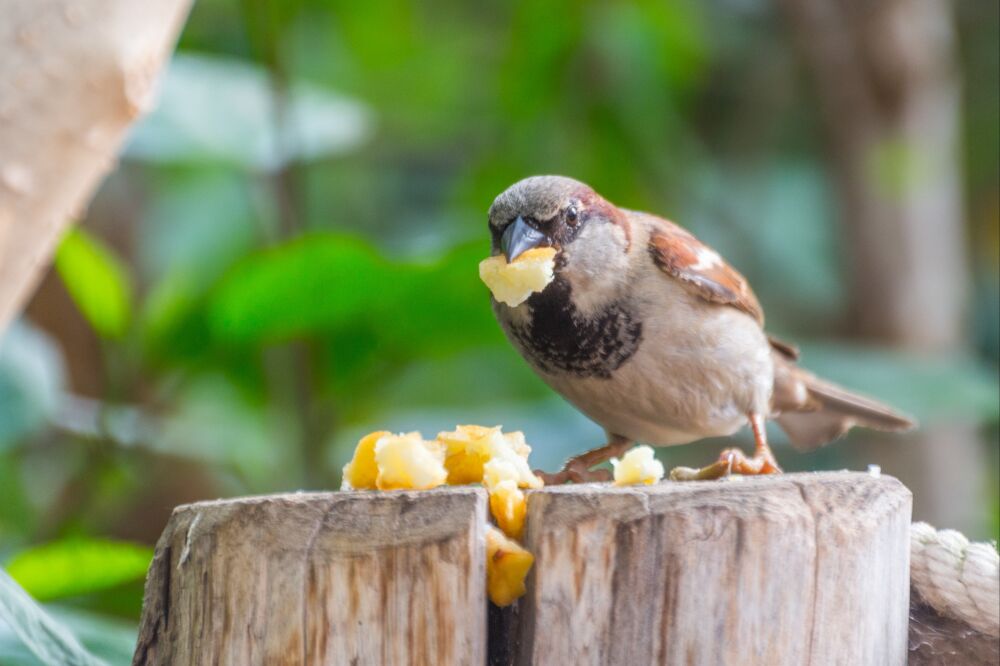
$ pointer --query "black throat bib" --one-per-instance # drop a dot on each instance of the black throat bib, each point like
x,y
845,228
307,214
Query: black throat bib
x,y
557,338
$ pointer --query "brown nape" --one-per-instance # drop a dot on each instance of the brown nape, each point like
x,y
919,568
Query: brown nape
x,y
814,412
599,205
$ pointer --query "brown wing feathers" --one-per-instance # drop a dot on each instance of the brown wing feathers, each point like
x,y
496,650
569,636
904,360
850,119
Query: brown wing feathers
x,y
701,269
810,410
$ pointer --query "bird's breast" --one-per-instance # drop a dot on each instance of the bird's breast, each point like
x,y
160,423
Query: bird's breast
x,y
557,338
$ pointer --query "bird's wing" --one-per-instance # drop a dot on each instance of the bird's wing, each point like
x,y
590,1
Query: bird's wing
x,y
700,268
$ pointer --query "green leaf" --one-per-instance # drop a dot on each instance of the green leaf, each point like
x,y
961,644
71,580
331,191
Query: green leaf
x,y
442,308
366,316
322,283
49,640
97,281
17,513
78,566
315,281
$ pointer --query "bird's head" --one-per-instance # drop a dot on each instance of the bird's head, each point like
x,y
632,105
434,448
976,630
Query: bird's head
x,y
590,235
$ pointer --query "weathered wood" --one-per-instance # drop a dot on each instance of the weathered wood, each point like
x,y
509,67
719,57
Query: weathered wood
x,y
320,578
797,569
802,568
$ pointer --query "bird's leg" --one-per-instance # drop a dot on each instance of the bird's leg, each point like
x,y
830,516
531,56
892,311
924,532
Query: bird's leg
x,y
734,460
577,468
763,461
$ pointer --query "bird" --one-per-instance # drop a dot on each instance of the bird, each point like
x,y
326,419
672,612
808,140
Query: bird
x,y
653,336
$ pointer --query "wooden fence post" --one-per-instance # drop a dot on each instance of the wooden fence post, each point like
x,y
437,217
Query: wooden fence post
x,y
795,569
320,578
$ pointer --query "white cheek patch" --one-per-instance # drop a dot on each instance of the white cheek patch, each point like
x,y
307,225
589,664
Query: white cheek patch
x,y
596,266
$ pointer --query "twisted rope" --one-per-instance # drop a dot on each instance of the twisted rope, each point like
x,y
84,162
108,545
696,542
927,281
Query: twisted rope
x,y
958,578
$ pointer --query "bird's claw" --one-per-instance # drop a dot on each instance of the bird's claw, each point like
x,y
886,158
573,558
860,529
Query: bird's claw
x,y
553,478
731,461
717,470
574,473
762,462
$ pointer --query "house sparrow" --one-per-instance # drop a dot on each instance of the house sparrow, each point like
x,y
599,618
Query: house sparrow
x,y
651,334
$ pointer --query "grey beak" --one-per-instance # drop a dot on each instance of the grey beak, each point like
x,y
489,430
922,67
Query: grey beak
x,y
519,237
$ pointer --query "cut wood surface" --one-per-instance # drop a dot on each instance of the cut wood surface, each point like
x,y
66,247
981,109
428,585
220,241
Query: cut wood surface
x,y
74,76
795,569
320,578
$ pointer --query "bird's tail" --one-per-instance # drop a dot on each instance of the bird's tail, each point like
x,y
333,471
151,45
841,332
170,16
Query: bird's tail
x,y
813,411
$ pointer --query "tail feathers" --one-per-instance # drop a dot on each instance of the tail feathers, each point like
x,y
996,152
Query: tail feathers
x,y
814,412
811,430
869,413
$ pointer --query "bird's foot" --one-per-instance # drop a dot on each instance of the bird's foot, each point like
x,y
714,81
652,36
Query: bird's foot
x,y
731,461
578,468
575,473
716,470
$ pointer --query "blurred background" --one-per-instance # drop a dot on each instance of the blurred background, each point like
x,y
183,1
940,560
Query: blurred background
x,y
286,257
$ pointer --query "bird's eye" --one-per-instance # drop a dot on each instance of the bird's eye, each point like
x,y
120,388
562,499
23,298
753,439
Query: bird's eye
x,y
572,215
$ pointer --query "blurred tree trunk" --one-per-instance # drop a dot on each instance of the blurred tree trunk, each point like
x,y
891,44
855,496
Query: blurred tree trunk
x,y
888,87
886,79
73,78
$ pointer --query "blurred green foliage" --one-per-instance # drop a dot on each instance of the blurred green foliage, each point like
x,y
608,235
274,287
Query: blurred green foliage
x,y
97,281
72,567
287,258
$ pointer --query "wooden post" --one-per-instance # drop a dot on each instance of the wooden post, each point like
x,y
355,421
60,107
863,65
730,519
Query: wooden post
x,y
802,568
795,569
320,578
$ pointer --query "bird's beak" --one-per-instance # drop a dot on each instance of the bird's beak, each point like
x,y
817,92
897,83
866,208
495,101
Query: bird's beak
x,y
519,237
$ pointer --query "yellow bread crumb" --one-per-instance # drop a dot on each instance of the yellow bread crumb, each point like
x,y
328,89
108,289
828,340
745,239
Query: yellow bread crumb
x,y
516,441
469,448
407,461
637,466
474,454
509,506
512,283
361,472
466,451
469,454
507,565
509,449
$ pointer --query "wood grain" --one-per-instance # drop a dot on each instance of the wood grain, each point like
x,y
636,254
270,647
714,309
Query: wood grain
x,y
320,578
795,569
